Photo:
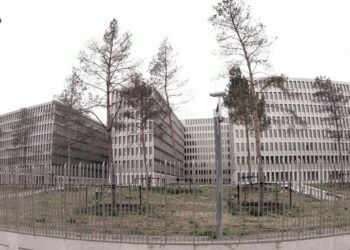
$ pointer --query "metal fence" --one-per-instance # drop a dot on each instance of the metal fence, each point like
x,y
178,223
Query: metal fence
x,y
79,202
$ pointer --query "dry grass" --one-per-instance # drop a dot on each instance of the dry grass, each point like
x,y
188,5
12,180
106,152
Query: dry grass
x,y
176,211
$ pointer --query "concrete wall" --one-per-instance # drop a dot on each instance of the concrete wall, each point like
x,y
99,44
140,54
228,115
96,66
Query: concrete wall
x,y
14,241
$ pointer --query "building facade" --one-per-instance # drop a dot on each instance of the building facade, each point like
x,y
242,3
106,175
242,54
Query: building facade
x,y
286,141
38,136
200,150
128,149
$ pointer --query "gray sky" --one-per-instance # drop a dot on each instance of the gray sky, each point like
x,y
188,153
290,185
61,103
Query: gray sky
x,y
40,41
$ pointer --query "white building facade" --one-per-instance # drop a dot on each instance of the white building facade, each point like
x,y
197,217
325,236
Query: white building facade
x,y
128,150
286,141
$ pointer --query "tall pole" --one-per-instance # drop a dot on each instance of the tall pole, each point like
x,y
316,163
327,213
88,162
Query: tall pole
x,y
218,162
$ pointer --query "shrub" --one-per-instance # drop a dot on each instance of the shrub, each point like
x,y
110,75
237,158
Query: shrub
x,y
194,223
231,206
254,211
71,221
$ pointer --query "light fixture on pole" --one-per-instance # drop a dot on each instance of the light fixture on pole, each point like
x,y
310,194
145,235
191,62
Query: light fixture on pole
x,y
218,162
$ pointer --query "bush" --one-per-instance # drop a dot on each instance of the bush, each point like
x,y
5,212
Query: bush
x,y
181,190
231,206
177,190
146,208
194,223
41,220
254,211
242,232
71,221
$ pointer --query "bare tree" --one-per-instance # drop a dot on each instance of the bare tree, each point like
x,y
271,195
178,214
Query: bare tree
x,y
333,102
144,108
23,128
245,41
107,68
163,71
72,109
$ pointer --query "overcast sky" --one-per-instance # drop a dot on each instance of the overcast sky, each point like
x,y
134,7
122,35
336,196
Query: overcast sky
x,y
40,41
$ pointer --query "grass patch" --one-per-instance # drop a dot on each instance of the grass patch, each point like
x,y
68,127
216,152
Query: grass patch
x,y
177,210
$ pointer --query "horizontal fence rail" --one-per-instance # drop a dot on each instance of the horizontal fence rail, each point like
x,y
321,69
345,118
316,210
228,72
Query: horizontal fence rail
x,y
114,203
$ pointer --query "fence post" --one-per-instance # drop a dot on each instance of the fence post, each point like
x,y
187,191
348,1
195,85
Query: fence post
x,y
218,161
290,194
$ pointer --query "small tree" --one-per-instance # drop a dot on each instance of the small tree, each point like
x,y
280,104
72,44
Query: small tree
x,y
238,101
23,128
163,71
107,69
72,110
144,108
332,102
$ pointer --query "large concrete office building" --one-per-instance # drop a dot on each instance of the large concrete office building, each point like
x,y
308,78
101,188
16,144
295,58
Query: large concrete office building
x,y
284,142
128,150
45,140
200,150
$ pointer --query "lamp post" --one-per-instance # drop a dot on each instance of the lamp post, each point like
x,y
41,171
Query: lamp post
x,y
218,162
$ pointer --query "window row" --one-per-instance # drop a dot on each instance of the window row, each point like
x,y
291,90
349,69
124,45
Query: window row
x,y
304,84
294,146
296,133
132,151
206,157
303,108
130,139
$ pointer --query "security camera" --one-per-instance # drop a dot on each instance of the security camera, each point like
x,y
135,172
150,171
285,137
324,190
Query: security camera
x,y
218,94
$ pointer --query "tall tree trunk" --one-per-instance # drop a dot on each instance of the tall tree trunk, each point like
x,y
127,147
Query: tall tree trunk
x,y
110,149
147,179
256,126
69,147
248,156
257,138
173,141
25,143
340,161
69,126
170,111
144,155
69,157
24,159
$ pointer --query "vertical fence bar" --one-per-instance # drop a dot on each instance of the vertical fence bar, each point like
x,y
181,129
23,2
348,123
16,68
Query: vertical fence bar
x,y
321,208
282,200
165,197
191,183
80,206
303,199
104,204
94,203
119,202
33,195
